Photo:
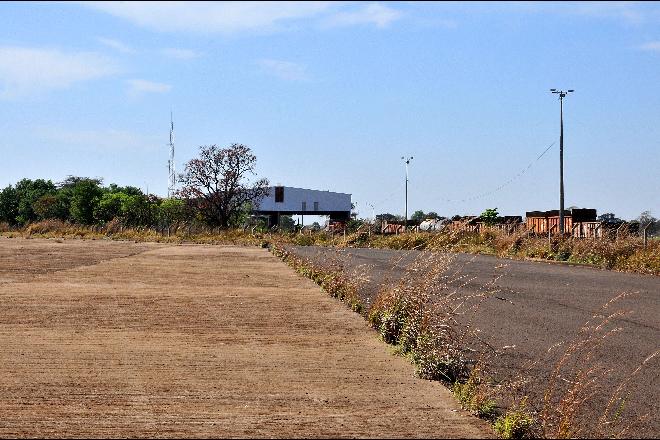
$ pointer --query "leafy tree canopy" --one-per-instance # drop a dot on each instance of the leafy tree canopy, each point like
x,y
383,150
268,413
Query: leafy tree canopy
x,y
418,216
489,216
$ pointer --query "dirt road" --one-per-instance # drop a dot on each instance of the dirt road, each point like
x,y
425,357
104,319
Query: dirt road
x,y
536,306
117,339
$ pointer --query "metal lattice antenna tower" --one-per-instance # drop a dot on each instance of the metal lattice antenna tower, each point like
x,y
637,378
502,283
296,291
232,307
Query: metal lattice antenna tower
x,y
170,163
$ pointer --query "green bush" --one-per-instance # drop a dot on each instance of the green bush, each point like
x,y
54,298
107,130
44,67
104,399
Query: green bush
x,y
516,423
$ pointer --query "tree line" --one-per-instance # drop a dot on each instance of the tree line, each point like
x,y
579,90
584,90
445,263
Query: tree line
x,y
215,190
85,201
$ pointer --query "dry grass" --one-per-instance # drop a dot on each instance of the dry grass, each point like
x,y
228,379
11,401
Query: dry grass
x,y
114,231
625,253
576,377
331,276
4,227
429,315
419,315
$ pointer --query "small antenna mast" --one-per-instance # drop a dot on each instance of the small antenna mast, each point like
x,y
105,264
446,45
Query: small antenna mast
x,y
171,184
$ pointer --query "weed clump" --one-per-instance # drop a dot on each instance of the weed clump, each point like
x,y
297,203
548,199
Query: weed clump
x,y
415,315
474,395
516,423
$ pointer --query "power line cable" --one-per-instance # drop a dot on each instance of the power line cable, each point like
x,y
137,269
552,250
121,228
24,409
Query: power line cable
x,y
503,185
395,193
477,196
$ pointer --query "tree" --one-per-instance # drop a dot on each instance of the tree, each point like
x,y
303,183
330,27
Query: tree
x,y
388,217
109,207
286,223
131,209
128,190
72,181
645,218
139,210
50,206
354,224
489,216
85,197
216,183
608,217
171,212
8,205
433,215
418,216
28,192
65,195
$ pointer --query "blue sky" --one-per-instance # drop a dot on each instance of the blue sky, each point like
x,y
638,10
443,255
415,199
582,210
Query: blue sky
x,y
331,95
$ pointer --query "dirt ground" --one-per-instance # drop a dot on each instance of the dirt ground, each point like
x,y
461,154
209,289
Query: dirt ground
x,y
118,339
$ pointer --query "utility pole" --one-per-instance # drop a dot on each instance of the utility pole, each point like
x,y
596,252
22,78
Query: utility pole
x,y
171,171
407,163
562,94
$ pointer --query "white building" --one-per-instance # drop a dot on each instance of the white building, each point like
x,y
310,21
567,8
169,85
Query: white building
x,y
286,200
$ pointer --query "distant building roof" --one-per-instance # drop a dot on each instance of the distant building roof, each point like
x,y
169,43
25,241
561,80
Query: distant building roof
x,y
577,214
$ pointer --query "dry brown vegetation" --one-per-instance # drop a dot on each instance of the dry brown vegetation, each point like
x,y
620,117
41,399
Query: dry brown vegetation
x,y
419,315
625,253
576,378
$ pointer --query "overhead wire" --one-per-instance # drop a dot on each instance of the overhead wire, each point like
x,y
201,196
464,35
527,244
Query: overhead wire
x,y
503,185
396,192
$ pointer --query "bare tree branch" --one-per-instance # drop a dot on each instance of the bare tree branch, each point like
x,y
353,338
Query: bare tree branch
x,y
216,183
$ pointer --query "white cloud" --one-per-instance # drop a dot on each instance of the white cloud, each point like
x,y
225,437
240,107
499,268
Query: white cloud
x,y
373,13
211,17
181,54
98,140
30,71
630,13
284,69
626,11
116,45
141,86
653,46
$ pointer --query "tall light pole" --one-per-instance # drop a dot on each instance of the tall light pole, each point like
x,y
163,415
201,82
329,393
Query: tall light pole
x,y
407,163
562,94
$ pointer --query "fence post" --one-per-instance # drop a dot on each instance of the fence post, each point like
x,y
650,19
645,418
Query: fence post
x,y
550,233
617,230
573,229
646,233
